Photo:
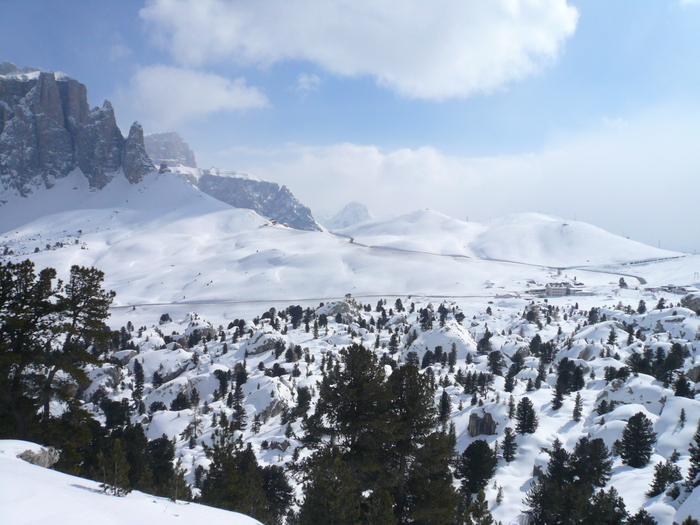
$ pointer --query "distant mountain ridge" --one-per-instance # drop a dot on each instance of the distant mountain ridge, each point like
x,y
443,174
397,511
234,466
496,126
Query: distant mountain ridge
x,y
236,189
169,148
351,214
47,130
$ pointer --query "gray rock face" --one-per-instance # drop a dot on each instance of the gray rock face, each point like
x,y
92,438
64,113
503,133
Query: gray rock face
x,y
46,457
47,130
135,160
481,425
269,199
169,148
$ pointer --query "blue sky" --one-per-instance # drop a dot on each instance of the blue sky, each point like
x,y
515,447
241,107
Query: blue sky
x,y
585,109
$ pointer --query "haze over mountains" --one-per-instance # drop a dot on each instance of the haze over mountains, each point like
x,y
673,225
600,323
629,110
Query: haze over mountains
x,y
191,250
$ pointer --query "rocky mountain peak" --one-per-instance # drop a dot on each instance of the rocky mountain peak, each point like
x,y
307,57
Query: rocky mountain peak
x,y
47,130
170,148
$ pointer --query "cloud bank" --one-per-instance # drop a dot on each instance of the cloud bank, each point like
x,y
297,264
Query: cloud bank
x,y
417,48
164,96
632,178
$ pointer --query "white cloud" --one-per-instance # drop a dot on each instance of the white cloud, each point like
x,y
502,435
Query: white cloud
x,y
633,179
163,96
418,48
690,2
307,82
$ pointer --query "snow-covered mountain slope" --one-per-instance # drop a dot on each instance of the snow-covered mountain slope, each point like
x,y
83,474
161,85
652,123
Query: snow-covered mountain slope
x,y
30,494
351,214
531,238
161,241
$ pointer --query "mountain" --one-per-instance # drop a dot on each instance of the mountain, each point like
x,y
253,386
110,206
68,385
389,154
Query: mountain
x,y
234,188
210,297
531,238
350,215
47,130
32,494
240,190
170,148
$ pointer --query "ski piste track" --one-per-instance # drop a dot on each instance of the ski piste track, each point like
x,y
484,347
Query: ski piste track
x,y
351,240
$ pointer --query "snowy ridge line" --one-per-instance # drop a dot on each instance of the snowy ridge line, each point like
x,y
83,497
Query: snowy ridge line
x,y
490,259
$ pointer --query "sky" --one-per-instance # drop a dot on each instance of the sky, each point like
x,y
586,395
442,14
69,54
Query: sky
x,y
584,109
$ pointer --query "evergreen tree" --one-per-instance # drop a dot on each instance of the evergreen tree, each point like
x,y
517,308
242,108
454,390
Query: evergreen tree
x,y
278,491
139,380
606,508
48,332
234,480
565,493
578,406
682,387
445,406
477,512
353,405
477,466
509,446
638,440
116,470
665,473
693,479
331,493
511,407
526,417
642,517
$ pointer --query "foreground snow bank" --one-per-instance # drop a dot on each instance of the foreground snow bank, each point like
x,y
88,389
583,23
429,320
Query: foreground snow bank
x,y
31,494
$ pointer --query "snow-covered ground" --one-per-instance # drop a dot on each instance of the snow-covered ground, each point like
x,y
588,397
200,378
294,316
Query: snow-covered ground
x,y
167,248
30,495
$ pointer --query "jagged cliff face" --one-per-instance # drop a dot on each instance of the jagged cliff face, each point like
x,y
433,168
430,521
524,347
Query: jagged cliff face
x,y
236,189
47,130
269,199
239,190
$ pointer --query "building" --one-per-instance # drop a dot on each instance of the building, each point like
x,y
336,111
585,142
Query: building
x,y
558,289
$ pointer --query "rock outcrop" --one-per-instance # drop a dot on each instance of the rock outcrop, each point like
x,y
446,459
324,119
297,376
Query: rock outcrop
x,y
234,188
46,457
47,130
479,426
239,190
169,148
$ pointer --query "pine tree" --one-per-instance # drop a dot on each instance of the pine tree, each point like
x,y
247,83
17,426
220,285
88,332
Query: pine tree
x,y
693,480
606,508
557,399
642,517
638,440
509,446
445,406
478,511
116,470
233,481
665,473
331,495
578,406
526,417
511,407
477,466
138,380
